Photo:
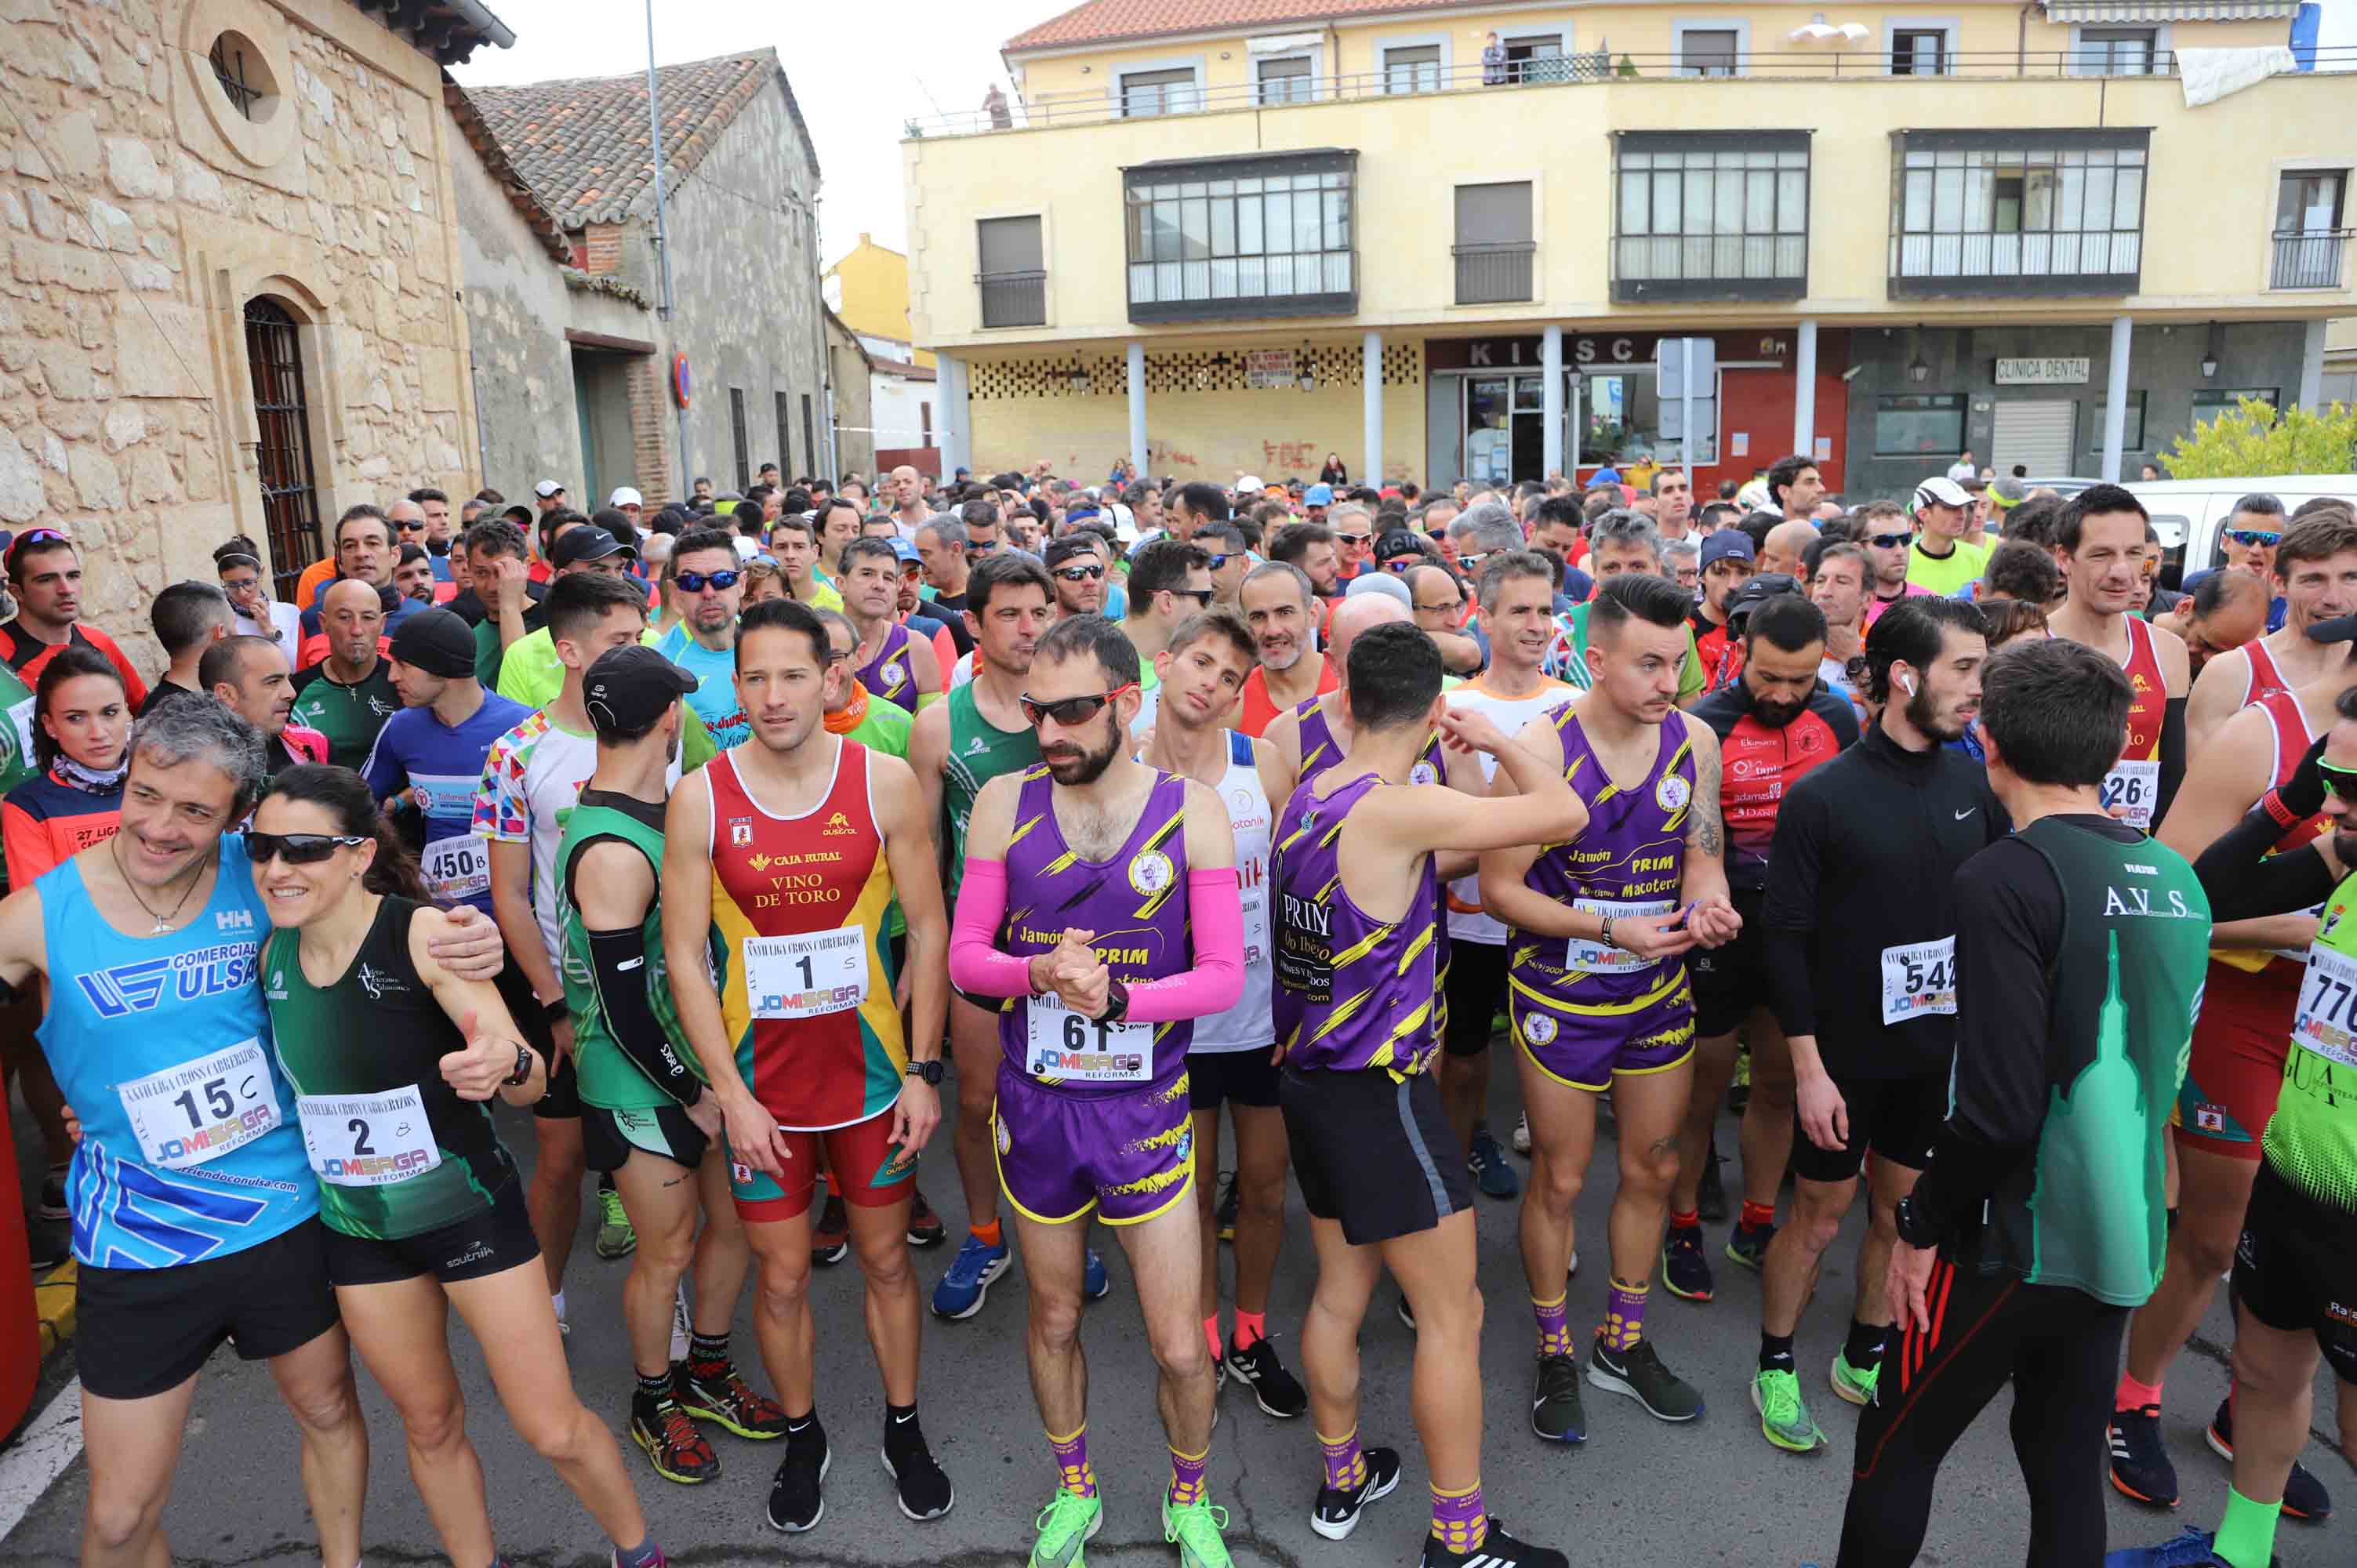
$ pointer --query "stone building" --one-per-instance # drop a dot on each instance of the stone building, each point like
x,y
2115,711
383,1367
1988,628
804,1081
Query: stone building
x,y
230,300
848,366
599,403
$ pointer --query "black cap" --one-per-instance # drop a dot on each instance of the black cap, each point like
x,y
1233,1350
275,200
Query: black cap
x,y
436,642
2340,628
1396,543
628,688
1755,592
587,542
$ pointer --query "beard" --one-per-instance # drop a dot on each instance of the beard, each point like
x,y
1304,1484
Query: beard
x,y
1776,715
1924,715
1084,765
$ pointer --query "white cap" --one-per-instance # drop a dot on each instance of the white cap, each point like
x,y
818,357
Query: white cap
x,y
1941,491
1250,482
625,496
1386,583
547,488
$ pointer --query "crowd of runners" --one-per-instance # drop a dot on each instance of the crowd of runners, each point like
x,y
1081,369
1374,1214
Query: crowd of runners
x,y
1200,844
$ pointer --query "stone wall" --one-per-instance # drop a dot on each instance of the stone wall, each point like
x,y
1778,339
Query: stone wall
x,y
846,370
140,211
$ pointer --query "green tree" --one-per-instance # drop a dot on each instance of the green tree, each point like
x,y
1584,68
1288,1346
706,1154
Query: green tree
x,y
2252,439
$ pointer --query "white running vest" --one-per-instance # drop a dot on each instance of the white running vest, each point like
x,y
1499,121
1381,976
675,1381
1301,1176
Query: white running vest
x,y
1249,1024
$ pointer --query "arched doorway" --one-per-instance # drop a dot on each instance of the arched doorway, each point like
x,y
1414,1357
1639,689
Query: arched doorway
x,y
290,495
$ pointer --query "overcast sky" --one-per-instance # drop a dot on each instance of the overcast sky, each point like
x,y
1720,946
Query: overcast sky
x,y
857,71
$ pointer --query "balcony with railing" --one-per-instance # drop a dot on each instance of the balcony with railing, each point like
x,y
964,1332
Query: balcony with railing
x,y
2309,258
1710,215
1014,299
1495,273
2027,213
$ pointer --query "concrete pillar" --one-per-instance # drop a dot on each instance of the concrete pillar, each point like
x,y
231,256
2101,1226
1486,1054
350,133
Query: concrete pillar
x,y
957,434
1138,409
2311,367
2116,399
1370,470
1551,401
1805,390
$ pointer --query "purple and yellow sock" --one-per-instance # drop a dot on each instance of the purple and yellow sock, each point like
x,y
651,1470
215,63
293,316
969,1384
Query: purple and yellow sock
x,y
1187,1477
1073,1471
1555,1326
1624,1315
1346,1467
1459,1522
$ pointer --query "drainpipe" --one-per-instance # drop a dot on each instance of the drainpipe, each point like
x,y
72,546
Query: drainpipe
x,y
2021,37
663,235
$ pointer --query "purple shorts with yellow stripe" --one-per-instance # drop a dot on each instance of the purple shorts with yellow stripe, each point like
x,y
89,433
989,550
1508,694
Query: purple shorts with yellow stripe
x,y
1586,1044
1127,1155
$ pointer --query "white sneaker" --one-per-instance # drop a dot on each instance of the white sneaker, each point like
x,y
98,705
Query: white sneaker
x,y
1521,1139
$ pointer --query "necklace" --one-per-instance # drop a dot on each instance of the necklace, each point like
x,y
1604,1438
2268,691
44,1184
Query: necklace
x,y
163,922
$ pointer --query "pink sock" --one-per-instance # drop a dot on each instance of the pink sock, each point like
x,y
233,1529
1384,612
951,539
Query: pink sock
x,y
1211,1336
2133,1395
1250,1327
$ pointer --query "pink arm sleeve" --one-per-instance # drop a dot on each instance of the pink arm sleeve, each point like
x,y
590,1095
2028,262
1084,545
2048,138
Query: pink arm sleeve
x,y
976,962
1216,910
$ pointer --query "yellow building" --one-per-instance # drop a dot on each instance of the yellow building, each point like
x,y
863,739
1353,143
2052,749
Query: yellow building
x,y
870,290
1444,239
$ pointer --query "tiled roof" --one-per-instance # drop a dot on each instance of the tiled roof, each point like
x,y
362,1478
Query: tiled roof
x,y
1109,21
581,145
513,186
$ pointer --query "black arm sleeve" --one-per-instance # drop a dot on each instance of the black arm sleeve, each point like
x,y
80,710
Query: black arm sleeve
x,y
617,968
1790,912
2172,757
2245,882
2008,927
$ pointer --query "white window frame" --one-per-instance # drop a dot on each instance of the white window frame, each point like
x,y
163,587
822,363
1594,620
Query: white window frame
x,y
1383,47
1949,28
1122,74
2163,47
1315,56
1741,26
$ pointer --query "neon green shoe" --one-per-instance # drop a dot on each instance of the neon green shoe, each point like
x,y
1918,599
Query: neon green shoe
x,y
1851,1384
1784,1415
1196,1527
1066,1525
615,1237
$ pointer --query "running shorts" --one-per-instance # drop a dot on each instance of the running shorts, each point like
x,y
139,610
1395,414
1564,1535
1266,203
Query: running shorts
x,y
865,1168
1898,1118
2236,1066
1372,1152
1730,980
1127,1156
608,1135
491,1242
1247,1077
1587,1050
146,1331
2296,1268
1476,985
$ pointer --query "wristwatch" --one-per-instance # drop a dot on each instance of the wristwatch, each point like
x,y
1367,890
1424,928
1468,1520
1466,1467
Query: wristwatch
x,y
930,1072
1116,1004
522,1074
1912,1227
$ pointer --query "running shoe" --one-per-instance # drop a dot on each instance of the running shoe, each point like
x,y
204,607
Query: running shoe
x,y
1784,1415
1223,1214
730,1404
1096,1283
1275,1390
1710,1193
1685,1270
615,1237
795,1502
2140,1469
1522,1138
919,1486
925,1228
1336,1512
1194,1528
2187,1548
1555,1412
53,1209
2304,1495
1491,1174
676,1449
1638,1373
1069,1522
962,1290
1499,1550
615,1560
830,1242
1852,1385
1748,1245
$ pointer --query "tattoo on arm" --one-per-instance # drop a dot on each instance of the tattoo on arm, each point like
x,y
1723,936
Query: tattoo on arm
x,y
1709,835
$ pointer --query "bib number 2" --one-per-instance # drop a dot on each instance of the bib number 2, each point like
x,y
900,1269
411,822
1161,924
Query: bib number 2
x,y
368,1140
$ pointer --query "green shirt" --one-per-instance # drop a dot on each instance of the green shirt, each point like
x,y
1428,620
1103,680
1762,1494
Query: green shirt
x,y
2311,1140
979,751
349,716
1576,672
609,1079
1946,575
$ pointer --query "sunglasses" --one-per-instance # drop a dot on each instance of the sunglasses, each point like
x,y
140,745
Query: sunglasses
x,y
1890,541
2254,538
1219,561
1202,597
696,582
1080,574
1471,563
1403,565
411,526
296,849
1071,711
1356,540
975,545
2342,782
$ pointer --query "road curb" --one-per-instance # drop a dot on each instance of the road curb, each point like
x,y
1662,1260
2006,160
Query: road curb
x,y
55,1300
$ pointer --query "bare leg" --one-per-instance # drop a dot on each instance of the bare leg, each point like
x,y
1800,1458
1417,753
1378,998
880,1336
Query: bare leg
x,y
880,1240
1436,1269
1262,1155
1563,1139
1887,1181
1207,1205
553,1198
973,1046
781,1253
723,1255
661,1199
1767,1130
2275,1386
1464,1092
1330,1330
403,1331
1054,1257
316,1383
1791,1268
1713,1069
2216,1189
1163,1260
1651,1107
134,1446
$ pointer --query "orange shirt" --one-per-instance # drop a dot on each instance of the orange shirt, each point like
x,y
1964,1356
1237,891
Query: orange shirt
x,y
1257,710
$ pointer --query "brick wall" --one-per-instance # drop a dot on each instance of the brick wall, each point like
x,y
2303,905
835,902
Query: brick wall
x,y
650,418
601,248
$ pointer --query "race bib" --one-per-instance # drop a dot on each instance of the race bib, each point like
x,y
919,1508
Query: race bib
x,y
199,1111
2130,791
1060,1044
368,1140
1919,979
21,715
456,868
1595,958
806,974
2324,1023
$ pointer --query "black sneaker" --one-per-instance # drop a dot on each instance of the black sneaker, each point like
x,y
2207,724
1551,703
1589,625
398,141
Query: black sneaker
x,y
1710,1193
1223,1214
2304,1497
1555,1412
1684,1270
52,1208
918,1484
795,1502
1273,1389
2140,1467
1748,1245
1499,1550
1638,1373
1337,1512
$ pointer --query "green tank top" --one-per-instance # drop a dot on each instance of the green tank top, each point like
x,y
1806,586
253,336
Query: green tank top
x,y
2311,1140
979,752
609,1079
394,1150
2123,993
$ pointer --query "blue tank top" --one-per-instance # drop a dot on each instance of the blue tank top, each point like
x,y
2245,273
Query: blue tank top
x,y
191,1148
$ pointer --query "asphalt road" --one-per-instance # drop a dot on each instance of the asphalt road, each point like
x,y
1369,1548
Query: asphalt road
x,y
1638,1493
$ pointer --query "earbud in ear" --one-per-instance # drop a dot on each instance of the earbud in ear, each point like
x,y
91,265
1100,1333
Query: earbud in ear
x,y
1907,684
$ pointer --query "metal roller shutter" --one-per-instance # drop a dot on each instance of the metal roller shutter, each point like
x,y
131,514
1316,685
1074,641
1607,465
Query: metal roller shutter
x,y
2036,435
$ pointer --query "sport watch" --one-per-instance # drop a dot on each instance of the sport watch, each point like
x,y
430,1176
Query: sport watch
x,y
930,1072
522,1073
1911,1225
1116,1009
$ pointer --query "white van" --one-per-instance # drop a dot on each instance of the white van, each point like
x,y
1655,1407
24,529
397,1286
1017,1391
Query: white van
x,y
2190,514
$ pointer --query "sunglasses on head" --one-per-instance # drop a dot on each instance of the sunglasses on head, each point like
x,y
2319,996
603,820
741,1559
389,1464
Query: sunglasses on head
x,y
1080,574
296,849
696,582
2340,781
1889,540
1071,711
2254,538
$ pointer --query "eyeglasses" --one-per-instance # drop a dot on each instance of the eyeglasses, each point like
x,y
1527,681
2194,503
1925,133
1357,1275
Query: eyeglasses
x,y
2342,782
2254,538
296,849
1069,711
1450,609
1080,574
696,582
1890,541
